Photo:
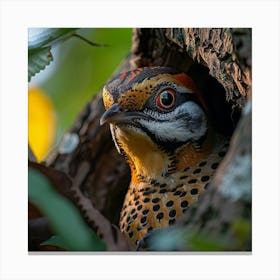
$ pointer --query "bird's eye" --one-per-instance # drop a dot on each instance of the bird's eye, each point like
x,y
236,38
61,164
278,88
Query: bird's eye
x,y
166,99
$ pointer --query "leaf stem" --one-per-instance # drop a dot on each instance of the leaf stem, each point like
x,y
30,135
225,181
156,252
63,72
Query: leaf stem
x,y
89,42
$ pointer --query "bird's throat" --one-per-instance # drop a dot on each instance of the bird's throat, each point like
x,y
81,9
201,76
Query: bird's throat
x,y
148,160
144,157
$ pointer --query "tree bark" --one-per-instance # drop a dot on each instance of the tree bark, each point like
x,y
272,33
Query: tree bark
x,y
219,61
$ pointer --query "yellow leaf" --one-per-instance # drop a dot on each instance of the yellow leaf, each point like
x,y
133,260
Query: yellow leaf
x,y
41,122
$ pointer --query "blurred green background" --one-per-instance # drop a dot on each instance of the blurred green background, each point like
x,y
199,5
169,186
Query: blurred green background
x,y
80,70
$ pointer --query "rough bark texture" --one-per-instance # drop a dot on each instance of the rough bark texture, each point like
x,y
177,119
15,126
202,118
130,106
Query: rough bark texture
x,y
219,60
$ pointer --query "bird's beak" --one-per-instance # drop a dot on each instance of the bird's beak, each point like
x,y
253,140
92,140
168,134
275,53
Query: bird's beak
x,y
116,115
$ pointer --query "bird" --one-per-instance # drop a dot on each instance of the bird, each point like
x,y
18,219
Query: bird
x,y
160,123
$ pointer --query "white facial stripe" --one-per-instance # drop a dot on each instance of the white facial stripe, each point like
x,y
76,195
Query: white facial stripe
x,y
179,129
114,138
190,107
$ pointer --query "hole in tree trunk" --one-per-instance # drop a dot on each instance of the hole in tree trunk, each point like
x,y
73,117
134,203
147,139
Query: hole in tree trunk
x,y
223,117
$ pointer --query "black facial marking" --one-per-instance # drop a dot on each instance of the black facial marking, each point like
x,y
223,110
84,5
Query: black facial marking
x,y
194,191
183,194
184,204
203,163
145,212
169,203
205,178
163,191
139,207
160,216
156,207
171,221
196,171
172,213
143,220
192,181
150,229
177,193
214,165
155,200
221,154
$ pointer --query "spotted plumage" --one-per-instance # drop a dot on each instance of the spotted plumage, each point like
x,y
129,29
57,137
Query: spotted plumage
x,y
159,123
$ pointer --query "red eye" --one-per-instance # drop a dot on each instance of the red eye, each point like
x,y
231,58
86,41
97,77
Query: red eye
x,y
166,99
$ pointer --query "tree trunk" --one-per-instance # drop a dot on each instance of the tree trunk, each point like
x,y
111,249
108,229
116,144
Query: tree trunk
x,y
219,61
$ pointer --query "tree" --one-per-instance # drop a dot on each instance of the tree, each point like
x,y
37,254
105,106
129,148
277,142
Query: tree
x,y
87,169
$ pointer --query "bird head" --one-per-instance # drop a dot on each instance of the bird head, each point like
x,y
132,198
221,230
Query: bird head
x,y
155,113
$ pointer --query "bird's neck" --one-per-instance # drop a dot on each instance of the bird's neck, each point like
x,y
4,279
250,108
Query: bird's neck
x,y
147,160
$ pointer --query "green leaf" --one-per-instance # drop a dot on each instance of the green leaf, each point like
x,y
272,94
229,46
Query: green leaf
x,y
242,229
39,47
38,60
206,242
47,36
63,216
56,241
